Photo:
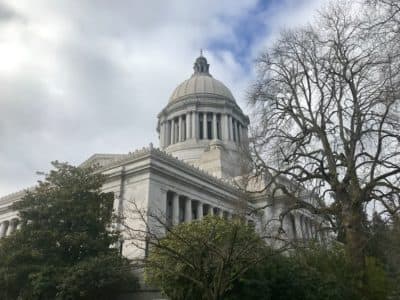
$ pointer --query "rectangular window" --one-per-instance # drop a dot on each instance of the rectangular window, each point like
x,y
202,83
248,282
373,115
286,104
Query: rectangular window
x,y
219,126
176,130
238,131
201,133
183,129
209,126
233,130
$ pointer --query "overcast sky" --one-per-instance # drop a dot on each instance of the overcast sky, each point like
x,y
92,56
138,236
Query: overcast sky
x,y
85,77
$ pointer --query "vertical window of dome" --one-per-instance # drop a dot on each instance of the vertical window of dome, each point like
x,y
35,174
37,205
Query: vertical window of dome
x,y
183,129
209,126
201,126
234,129
238,132
219,126
169,141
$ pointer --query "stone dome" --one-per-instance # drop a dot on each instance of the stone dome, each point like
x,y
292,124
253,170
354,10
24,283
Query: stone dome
x,y
201,84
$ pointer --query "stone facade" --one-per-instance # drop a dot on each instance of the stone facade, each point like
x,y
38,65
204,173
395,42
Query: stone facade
x,y
203,133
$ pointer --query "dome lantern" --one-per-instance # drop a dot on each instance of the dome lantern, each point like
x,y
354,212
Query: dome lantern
x,y
201,67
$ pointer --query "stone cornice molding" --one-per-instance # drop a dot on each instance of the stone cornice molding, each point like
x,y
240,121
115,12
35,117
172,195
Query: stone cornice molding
x,y
117,161
152,152
190,103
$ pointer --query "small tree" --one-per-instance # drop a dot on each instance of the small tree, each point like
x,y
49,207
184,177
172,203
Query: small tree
x,y
202,259
64,248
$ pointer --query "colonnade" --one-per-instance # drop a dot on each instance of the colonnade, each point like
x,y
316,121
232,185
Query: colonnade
x,y
202,125
8,227
181,209
308,228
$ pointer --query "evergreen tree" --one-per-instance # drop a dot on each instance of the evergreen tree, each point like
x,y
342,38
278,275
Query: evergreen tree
x,y
64,247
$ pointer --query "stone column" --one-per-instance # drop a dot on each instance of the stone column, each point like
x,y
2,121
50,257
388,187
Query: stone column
x,y
10,228
220,213
297,221
230,128
161,134
180,129
246,135
312,226
188,210
205,131
199,210
214,130
224,127
175,209
188,126
172,131
308,225
3,228
210,210
195,122
167,132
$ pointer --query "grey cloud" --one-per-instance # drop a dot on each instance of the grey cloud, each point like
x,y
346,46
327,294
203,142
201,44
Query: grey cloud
x,y
91,76
8,14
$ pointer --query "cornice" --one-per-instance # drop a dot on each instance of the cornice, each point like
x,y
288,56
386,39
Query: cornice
x,y
152,153
202,100
156,153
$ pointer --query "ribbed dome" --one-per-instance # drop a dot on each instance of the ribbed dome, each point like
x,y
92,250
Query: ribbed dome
x,y
201,84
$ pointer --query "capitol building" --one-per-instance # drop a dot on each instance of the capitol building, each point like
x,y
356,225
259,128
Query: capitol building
x,y
195,171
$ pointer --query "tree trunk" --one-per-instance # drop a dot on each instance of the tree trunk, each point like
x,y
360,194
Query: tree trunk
x,y
355,239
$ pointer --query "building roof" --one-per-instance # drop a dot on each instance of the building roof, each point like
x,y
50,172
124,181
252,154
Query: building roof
x,y
201,84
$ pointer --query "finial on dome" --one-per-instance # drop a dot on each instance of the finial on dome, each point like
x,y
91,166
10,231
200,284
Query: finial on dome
x,y
201,67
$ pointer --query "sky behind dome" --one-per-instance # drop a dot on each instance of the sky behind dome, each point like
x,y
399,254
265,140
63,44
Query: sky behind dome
x,y
85,77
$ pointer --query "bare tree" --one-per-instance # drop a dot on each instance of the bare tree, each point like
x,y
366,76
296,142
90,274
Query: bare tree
x,y
196,260
326,102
